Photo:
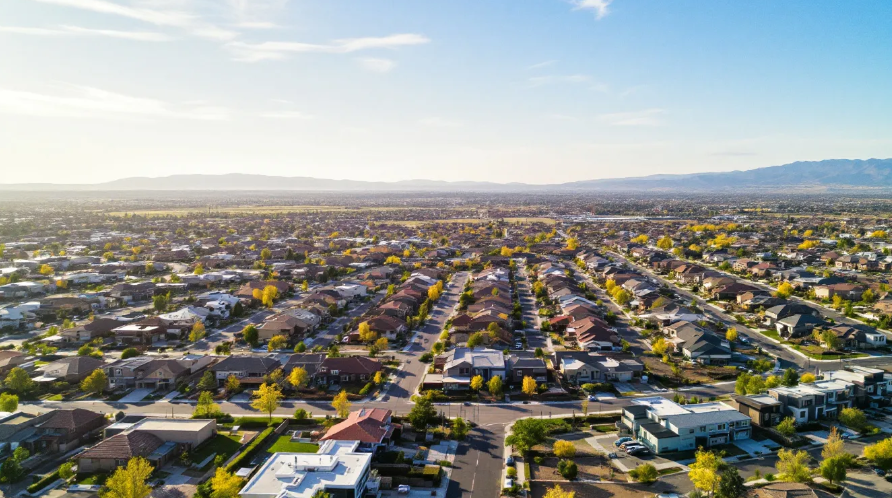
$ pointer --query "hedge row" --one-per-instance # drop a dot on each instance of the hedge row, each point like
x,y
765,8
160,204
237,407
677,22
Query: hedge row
x,y
366,388
250,450
44,481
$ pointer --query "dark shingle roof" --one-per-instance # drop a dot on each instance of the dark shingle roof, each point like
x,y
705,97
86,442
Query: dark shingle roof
x,y
124,446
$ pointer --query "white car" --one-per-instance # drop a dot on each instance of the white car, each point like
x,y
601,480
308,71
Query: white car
x,y
508,482
403,489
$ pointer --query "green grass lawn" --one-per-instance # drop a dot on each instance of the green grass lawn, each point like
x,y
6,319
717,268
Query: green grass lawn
x,y
221,444
91,479
772,333
605,428
284,444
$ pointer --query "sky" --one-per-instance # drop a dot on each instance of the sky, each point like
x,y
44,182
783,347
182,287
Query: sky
x,y
535,91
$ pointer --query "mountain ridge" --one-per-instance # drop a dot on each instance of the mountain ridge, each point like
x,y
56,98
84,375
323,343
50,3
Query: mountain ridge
x,y
828,174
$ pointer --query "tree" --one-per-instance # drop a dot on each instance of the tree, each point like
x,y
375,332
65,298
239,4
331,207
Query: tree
x,y
784,290
755,385
564,449
830,339
704,472
267,398
806,378
232,383
731,334
198,332
853,418
276,343
225,484
301,414
622,297
342,404
161,301
11,469
526,433
265,254
45,270
790,378
129,481
572,243
299,377
558,492
206,408
300,347
269,296
208,382
129,353
787,426
585,407
659,346
366,334
66,471
381,344
422,414
793,466
495,386
529,386
880,453
8,402
568,469
772,381
477,383
741,383
199,269
379,378
95,383
730,483
433,293
250,334
645,473
835,446
476,339
834,469
459,428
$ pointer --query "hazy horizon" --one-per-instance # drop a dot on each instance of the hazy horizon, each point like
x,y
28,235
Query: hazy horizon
x,y
538,93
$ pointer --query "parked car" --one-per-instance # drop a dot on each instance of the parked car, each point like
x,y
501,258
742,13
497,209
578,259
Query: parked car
x,y
633,447
666,495
403,489
639,451
509,460
878,471
592,397
508,482
621,441
629,443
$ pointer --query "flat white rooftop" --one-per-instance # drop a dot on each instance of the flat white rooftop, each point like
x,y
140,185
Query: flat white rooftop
x,y
299,475
662,407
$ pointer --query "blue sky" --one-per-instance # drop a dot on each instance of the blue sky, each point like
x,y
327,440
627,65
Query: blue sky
x,y
536,91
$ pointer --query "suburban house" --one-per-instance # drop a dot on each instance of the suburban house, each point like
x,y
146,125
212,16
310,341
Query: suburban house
x,y
665,426
461,364
872,387
775,313
526,366
372,427
71,369
850,292
280,324
859,336
698,344
797,325
346,369
10,360
579,367
248,369
338,468
764,410
814,401
151,372
158,440
64,430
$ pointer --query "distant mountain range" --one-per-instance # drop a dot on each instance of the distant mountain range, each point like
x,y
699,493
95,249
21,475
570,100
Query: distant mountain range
x,y
825,175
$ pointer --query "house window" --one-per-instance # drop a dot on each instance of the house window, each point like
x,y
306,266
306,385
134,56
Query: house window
x,y
702,428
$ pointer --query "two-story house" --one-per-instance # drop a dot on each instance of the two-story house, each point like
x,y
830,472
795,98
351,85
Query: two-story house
x,y
347,369
461,364
248,369
872,387
764,410
814,401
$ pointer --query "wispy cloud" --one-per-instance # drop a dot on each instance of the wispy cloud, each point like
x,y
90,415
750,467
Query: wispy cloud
x,y
438,122
376,65
79,31
542,64
253,52
646,117
159,17
286,115
599,7
87,102
552,78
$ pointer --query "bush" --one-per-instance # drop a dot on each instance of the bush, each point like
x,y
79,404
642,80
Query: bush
x,y
512,472
301,414
568,469
44,482
366,388
426,357
538,460
645,473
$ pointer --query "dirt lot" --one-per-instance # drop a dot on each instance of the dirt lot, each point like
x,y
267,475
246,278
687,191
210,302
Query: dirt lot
x,y
589,490
699,373
590,467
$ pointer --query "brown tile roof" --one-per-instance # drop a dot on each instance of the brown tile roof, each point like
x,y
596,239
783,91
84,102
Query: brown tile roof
x,y
366,425
124,446
351,365
70,419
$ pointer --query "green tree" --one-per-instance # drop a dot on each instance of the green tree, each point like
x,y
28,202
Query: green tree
x,y
741,383
300,347
790,378
423,413
95,383
787,426
880,453
18,381
267,398
129,353
526,433
731,484
208,382
755,385
8,402
11,470
276,343
568,469
66,470
206,408
232,384
772,381
198,332
830,339
161,301
460,428
645,473
251,335
853,418
476,339
834,469
129,481
792,466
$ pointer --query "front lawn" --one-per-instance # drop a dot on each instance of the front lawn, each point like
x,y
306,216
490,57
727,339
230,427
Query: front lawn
x,y
97,479
284,445
221,444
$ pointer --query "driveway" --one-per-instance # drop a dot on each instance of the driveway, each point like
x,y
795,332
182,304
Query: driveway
x,y
136,396
625,462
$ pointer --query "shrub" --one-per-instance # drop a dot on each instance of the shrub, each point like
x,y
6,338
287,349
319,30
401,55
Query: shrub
x,y
426,357
538,460
568,469
44,481
301,414
250,450
512,472
366,388
645,473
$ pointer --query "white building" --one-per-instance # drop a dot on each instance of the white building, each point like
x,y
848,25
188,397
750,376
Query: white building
x,y
337,468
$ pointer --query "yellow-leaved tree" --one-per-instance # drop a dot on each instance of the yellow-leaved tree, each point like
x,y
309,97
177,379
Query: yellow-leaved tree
x,y
267,398
129,481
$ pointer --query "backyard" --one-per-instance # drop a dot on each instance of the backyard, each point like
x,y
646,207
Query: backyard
x,y
285,445
222,444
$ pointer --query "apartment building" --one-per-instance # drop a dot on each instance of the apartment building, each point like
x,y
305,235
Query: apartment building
x,y
665,426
